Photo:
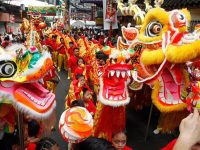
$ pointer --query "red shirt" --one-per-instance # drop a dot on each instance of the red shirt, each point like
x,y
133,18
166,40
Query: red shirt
x,y
53,45
61,49
31,146
91,107
170,145
127,148
72,63
78,70
71,51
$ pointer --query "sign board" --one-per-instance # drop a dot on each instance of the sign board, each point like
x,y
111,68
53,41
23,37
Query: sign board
x,y
108,16
43,10
91,1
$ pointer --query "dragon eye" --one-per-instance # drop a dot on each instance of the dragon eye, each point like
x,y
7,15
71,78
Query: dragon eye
x,y
181,17
7,69
153,29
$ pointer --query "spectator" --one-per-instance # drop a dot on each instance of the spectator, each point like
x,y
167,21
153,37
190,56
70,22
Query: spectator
x,y
33,134
6,42
189,134
119,141
77,103
47,144
93,143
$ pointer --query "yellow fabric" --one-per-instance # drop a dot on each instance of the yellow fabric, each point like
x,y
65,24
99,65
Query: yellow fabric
x,y
61,61
55,57
183,53
164,108
157,14
51,86
152,57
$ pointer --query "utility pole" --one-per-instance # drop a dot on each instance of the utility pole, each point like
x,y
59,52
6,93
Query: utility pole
x,y
67,14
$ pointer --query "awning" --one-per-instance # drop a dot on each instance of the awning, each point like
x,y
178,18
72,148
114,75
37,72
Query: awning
x,y
27,3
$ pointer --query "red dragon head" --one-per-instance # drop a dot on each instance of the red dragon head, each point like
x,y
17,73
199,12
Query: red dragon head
x,y
116,76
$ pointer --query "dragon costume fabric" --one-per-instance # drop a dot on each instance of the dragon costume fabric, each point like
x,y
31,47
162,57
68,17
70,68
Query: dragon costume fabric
x,y
163,46
21,69
158,51
113,91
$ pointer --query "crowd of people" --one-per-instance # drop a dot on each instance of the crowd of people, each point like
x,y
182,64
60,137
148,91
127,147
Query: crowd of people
x,y
82,93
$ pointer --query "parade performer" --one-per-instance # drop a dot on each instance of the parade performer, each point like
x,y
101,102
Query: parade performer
x,y
193,89
113,92
72,62
76,89
62,55
163,45
53,46
159,51
88,101
33,29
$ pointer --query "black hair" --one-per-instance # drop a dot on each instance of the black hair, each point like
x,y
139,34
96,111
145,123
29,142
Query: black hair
x,y
45,143
78,76
7,38
80,59
93,143
54,36
33,128
100,55
121,131
85,90
76,48
77,103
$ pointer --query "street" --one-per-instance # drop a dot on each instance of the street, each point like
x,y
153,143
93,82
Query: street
x,y
136,123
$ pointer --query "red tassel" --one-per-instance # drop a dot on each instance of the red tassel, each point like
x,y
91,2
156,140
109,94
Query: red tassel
x,y
111,120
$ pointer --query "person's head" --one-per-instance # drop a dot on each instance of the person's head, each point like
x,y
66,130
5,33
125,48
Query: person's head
x,y
76,52
77,103
119,140
101,58
93,143
62,40
80,62
47,144
33,128
54,37
71,44
87,95
81,79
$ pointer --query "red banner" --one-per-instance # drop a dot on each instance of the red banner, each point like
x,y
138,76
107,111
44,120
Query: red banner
x,y
110,11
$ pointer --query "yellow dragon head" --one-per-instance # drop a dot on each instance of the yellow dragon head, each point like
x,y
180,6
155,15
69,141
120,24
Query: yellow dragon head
x,y
162,47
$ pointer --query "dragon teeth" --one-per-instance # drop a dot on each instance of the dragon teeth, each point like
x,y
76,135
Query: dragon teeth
x,y
129,73
112,72
123,74
118,73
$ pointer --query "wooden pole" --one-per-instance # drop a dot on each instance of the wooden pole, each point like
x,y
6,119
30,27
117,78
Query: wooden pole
x,y
148,123
21,130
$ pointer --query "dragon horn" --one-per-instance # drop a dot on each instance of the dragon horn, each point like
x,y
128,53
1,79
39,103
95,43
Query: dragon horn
x,y
147,5
158,3
131,10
